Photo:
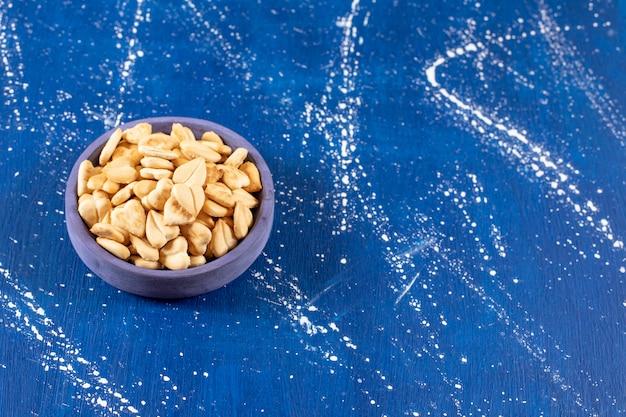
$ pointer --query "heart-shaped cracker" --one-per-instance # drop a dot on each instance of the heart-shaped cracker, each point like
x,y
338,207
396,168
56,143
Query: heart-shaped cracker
x,y
130,216
192,172
157,232
198,236
184,204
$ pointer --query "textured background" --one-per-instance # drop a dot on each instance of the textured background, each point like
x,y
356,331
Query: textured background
x,y
450,211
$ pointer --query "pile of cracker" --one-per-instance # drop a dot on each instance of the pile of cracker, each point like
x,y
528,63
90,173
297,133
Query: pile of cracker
x,y
168,200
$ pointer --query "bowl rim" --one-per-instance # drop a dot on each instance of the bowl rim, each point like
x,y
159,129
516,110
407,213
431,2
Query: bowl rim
x,y
264,211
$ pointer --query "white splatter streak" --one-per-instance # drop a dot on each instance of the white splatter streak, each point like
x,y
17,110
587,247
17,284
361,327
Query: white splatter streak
x,y
580,75
554,172
221,47
339,125
12,66
339,128
112,113
516,143
29,319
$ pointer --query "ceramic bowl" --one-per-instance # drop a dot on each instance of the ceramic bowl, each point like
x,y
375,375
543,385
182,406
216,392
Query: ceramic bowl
x,y
171,284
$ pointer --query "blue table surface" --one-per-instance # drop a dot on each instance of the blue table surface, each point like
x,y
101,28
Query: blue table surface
x,y
449,229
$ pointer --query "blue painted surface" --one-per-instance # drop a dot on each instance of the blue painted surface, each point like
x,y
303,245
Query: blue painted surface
x,y
449,228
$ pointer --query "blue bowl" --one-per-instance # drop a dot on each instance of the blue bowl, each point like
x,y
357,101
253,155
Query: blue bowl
x,y
169,284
